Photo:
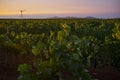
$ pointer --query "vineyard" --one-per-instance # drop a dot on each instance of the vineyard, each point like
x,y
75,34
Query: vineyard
x,y
59,49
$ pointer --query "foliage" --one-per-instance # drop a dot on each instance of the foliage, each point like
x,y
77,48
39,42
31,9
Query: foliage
x,y
64,48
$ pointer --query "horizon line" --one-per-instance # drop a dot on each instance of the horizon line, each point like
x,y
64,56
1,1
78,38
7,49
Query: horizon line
x,y
59,15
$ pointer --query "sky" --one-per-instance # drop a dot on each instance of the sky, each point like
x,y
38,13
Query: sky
x,y
97,8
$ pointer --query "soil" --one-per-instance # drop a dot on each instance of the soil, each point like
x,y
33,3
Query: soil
x,y
106,73
7,73
10,63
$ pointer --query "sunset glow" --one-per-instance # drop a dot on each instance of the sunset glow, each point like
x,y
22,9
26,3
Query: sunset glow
x,y
81,7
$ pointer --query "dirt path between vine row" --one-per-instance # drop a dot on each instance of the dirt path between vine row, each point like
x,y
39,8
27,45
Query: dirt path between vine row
x,y
7,73
107,73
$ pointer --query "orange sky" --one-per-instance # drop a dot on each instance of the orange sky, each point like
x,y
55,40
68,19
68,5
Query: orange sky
x,y
11,7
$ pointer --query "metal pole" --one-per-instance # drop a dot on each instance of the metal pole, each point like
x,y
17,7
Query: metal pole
x,y
21,11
